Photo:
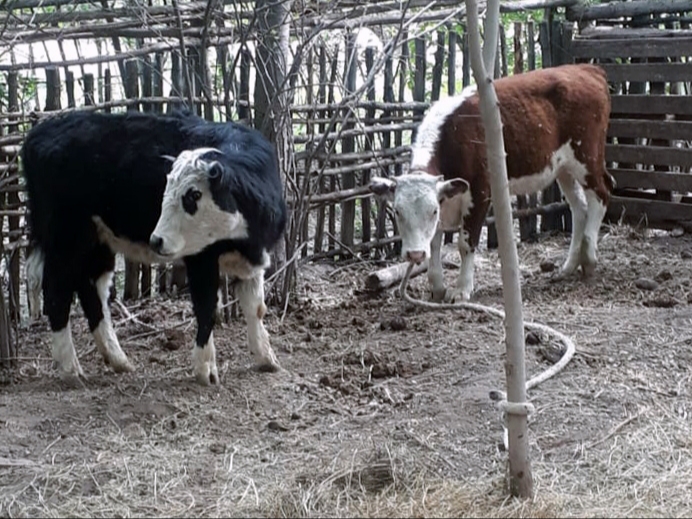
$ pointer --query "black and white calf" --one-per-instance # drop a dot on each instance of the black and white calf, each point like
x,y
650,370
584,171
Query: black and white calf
x,y
101,184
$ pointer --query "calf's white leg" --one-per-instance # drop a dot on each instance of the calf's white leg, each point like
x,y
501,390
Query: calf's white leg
x,y
251,298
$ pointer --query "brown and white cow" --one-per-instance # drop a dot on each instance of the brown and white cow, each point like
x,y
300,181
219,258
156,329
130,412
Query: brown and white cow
x,y
554,126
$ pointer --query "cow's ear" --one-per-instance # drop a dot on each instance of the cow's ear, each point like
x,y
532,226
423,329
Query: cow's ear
x,y
450,188
383,187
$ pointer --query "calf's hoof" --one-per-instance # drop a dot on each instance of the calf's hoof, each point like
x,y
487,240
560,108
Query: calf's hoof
x,y
438,295
207,374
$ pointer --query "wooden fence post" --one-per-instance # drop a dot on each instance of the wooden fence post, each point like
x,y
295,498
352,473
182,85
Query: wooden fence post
x,y
69,87
13,202
365,203
243,106
451,86
419,79
332,178
528,231
381,225
348,144
131,84
321,99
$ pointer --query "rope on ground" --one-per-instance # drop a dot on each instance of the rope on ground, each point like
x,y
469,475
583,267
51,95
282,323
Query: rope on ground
x,y
500,397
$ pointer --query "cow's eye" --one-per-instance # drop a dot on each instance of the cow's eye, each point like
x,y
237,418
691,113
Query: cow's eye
x,y
190,199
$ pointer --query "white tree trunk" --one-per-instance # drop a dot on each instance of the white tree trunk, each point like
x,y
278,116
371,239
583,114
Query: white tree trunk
x,y
520,477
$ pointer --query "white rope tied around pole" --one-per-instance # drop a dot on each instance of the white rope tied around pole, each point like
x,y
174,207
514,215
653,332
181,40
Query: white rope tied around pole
x,y
505,407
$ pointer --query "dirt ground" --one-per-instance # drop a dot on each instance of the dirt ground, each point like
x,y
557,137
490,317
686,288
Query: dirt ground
x,y
383,407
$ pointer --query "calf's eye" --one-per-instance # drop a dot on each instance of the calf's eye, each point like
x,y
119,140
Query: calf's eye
x,y
190,199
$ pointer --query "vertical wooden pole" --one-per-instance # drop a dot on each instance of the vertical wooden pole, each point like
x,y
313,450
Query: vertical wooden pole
x,y
438,66
310,132
365,203
466,63
107,90
419,78
451,87
13,202
321,99
88,85
348,180
381,226
131,82
332,178
69,88
244,93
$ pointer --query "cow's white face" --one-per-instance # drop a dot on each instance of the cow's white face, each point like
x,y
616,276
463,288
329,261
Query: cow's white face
x,y
198,208
417,200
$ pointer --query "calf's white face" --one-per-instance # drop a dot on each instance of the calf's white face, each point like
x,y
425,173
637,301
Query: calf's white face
x,y
416,200
191,218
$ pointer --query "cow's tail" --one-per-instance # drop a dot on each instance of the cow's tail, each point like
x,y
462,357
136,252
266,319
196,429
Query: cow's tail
x,y
34,279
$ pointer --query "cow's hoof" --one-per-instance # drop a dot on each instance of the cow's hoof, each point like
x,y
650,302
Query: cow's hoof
x,y
268,367
207,374
457,295
73,378
122,366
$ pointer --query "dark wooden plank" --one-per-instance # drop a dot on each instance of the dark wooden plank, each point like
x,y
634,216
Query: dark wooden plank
x,y
651,104
657,155
656,72
662,180
583,11
650,129
656,213
603,32
628,48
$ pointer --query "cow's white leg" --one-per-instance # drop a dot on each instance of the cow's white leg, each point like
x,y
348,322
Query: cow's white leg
x,y
574,194
464,286
435,277
64,354
251,298
204,362
34,276
596,210
104,334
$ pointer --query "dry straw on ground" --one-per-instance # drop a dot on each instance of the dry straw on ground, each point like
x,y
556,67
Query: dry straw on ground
x,y
371,420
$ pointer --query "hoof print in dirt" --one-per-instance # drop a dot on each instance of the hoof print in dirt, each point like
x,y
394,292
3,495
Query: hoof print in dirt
x,y
532,338
661,302
547,266
646,284
686,254
664,275
273,425
395,324
173,340
551,352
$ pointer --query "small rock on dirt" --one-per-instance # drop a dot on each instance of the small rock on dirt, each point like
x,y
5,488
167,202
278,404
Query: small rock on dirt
x,y
217,448
646,284
676,232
